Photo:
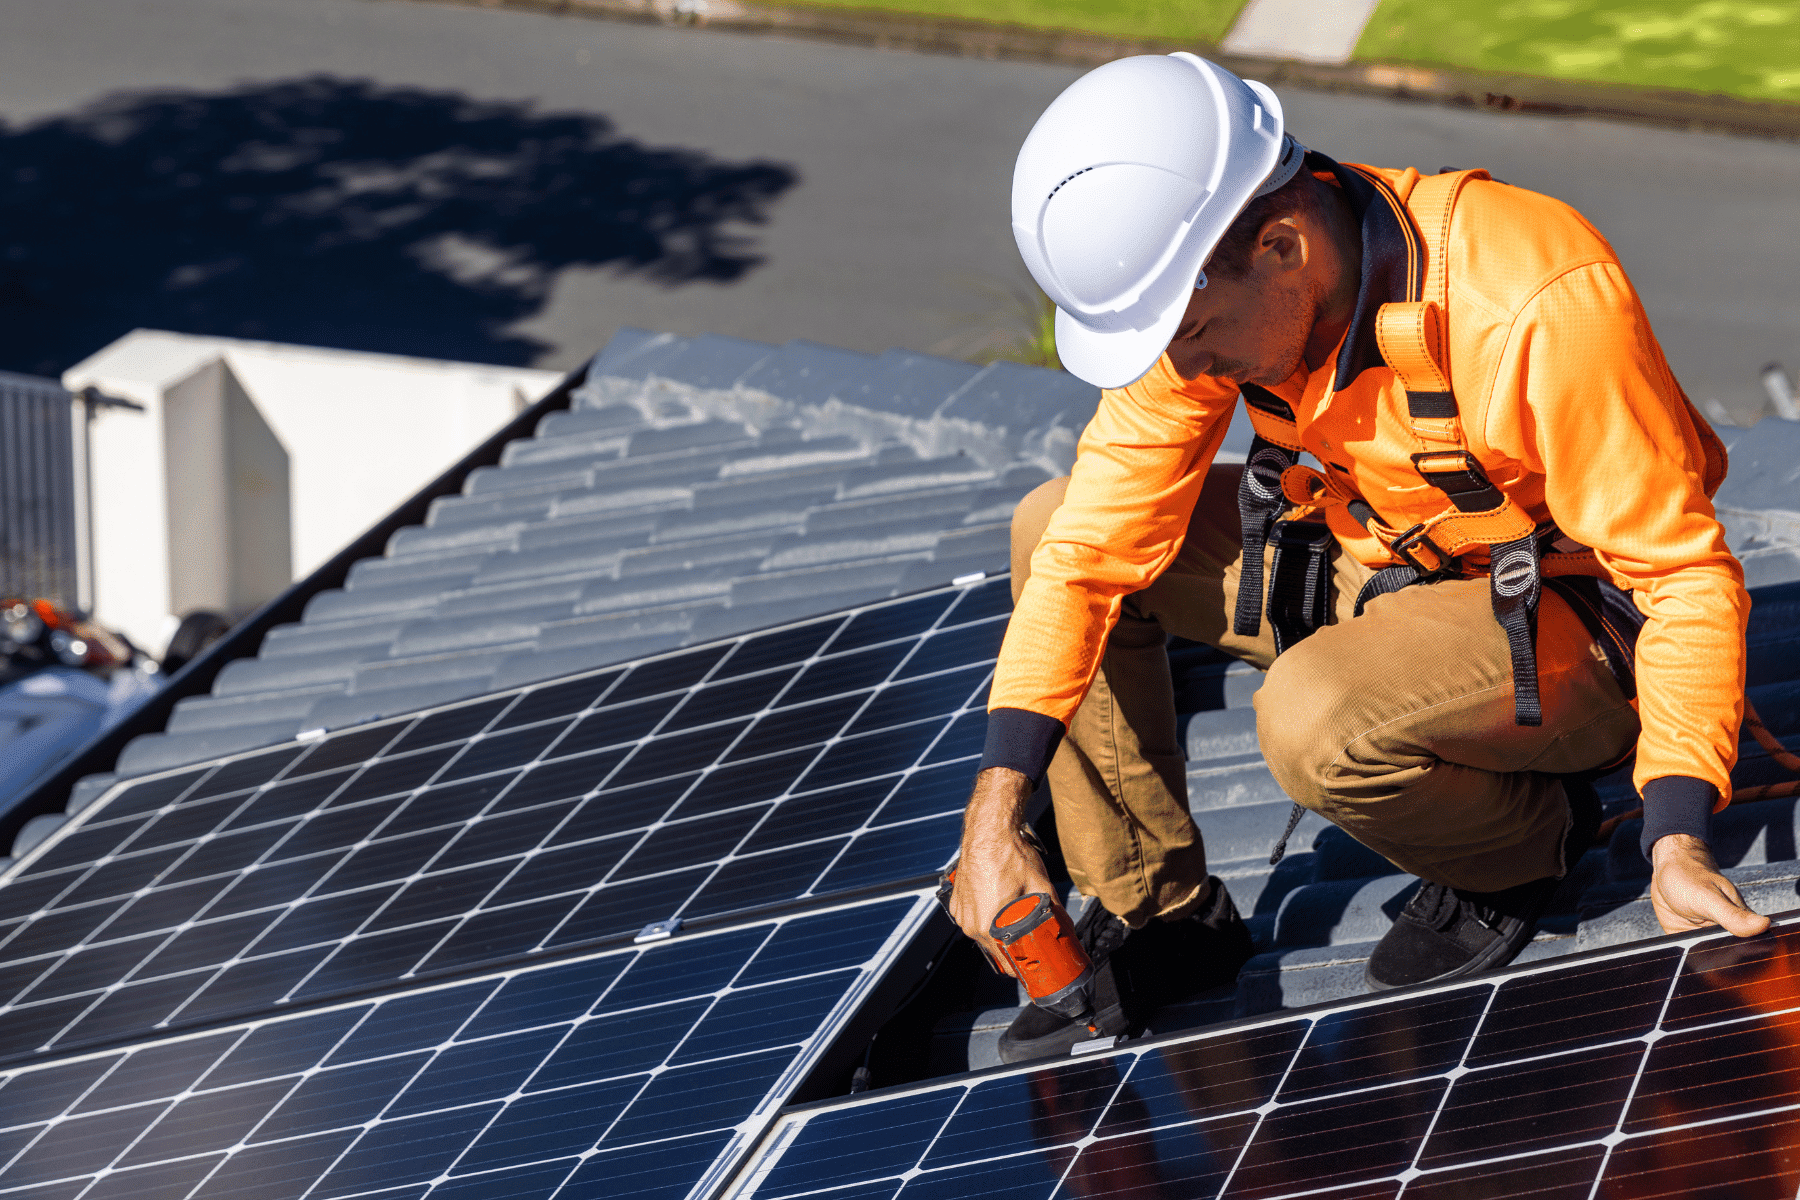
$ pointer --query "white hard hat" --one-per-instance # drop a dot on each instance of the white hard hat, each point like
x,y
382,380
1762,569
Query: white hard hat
x,y
1123,188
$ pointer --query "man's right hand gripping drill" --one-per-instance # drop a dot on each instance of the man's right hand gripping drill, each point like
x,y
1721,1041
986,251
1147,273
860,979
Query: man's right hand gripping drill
x,y
998,865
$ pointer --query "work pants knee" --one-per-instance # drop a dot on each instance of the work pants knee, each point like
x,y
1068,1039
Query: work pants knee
x,y
1398,727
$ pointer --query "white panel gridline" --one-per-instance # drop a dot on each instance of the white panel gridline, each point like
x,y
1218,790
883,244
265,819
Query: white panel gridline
x,y
641,1072
1665,1068
202,894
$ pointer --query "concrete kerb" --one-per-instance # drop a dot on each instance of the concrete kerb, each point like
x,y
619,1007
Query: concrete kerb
x,y
1454,87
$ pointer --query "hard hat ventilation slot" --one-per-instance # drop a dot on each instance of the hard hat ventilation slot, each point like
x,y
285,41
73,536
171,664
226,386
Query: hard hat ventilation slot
x,y
1059,187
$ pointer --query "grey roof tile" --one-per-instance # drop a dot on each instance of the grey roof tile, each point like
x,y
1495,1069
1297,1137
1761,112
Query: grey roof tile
x,y
808,374
587,527
561,475
608,628
908,384
721,520
810,588
645,500
742,550
535,666
596,445
617,418
429,540
989,543
937,571
935,508
393,601
198,713
336,712
594,556
401,569
636,353
655,591
430,670
478,602
703,435
797,456
160,751
633,351
246,676
714,361
813,552
1007,395
509,627
889,478
325,636
447,511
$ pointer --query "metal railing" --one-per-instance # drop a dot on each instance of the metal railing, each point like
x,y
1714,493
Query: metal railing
x,y
39,520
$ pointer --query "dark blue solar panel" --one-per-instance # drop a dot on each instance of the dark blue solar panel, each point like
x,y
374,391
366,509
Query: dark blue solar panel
x,y
784,765
635,1072
1670,1069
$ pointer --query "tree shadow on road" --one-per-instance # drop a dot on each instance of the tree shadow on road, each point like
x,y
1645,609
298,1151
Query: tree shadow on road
x,y
340,213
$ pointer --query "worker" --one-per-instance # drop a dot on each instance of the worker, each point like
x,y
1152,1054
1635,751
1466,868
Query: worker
x,y
1499,577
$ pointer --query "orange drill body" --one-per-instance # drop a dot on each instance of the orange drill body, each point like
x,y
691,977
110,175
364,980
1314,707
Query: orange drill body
x,y
1039,939
1039,949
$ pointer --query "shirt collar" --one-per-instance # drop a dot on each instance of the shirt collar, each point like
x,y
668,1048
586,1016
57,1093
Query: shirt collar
x,y
1391,266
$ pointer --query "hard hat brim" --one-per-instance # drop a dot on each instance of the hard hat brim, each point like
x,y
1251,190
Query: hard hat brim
x,y
1114,359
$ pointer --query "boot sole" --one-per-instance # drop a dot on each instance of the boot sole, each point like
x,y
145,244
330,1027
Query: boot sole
x,y
1494,957
1110,1022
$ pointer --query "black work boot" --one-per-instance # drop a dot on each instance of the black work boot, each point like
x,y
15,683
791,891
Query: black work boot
x,y
1136,972
1446,933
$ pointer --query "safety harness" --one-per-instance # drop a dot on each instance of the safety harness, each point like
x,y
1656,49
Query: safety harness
x,y
1413,340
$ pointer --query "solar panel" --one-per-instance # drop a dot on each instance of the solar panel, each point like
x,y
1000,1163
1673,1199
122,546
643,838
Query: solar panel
x,y
635,1072
1669,1068
812,760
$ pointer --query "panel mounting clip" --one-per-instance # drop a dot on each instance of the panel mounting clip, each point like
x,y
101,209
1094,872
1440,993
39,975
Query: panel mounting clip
x,y
1096,1045
658,931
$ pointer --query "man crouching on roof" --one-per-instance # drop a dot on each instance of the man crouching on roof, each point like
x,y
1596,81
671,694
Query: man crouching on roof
x,y
1505,578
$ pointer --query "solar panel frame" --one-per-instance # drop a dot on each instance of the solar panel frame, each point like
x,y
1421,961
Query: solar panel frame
x,y
526,1054
387,842
1433,1103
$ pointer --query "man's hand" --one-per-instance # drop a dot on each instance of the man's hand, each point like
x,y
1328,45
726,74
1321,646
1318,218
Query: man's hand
x,y
1688,892
998,865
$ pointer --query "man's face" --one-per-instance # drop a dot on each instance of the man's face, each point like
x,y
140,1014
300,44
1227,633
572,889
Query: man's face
x,y
1249,330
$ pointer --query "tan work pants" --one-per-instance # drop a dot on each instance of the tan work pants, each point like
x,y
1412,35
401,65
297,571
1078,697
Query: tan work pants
x,y
1397,726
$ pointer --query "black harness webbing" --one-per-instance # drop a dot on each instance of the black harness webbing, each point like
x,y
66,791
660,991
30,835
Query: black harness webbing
x,y
1260,505
1299,580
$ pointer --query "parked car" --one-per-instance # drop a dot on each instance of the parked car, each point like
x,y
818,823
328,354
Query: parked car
x,y
63,681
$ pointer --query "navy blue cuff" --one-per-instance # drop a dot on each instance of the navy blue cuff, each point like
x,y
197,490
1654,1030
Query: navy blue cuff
x,y
1021,740
1677,804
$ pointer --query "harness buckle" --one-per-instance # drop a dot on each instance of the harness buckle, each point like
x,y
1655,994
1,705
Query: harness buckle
x,y
1417,538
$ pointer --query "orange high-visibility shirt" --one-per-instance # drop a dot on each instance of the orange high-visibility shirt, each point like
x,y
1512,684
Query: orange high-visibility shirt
x,y
1566,401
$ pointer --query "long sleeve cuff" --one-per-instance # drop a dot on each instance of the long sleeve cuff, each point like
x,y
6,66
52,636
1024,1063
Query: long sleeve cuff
x,y
1676,804
1021,740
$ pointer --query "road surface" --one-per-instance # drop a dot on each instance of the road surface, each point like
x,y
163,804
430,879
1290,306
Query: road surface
x,y
513,187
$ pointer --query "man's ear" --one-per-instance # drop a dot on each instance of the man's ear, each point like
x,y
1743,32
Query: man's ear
x,y
1281,245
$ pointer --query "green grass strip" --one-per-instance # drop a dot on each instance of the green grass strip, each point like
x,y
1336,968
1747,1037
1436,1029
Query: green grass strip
x,y
1203,22
1745,48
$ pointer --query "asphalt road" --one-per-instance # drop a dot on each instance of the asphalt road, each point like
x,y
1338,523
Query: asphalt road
x,y
289,180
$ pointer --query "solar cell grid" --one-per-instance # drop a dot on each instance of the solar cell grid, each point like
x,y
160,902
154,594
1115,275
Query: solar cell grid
x,y
810,760
627,1073
1671,1068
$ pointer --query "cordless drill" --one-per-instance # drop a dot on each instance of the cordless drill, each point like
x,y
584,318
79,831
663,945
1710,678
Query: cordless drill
x,y
1038,948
